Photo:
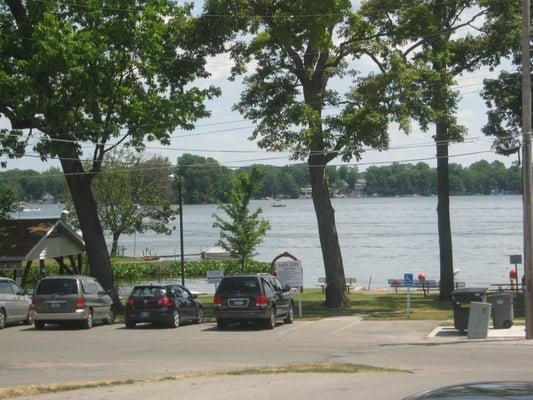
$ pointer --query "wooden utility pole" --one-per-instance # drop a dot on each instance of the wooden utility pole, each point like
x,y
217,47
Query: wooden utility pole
x,y
526,166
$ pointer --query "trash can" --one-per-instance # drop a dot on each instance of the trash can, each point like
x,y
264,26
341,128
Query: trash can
x,y
502,310
461,299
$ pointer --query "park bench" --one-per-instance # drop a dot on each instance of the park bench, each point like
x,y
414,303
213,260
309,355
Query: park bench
x,y
424,285
350,284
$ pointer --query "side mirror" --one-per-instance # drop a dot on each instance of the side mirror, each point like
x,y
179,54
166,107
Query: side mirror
x,y
194,296
286,288
101,293
21,293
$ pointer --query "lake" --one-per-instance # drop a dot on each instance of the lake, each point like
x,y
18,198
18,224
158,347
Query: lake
x,y
380,238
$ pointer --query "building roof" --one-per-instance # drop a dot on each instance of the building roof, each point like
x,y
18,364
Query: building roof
x,y
19,237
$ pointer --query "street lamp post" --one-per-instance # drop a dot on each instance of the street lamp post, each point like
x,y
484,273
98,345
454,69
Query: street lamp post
x,y
180,202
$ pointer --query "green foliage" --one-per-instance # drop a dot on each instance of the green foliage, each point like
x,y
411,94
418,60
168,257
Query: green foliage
x,y
244,231
32,185
481,177
7,202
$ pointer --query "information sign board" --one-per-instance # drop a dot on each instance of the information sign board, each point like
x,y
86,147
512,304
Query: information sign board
x,y
515,259
290,273
408,280
17,265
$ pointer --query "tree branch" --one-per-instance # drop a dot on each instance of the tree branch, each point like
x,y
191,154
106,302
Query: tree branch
x,y
117,143
374,58
18,11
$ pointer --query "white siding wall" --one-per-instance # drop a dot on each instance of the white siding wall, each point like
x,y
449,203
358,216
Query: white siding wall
x,y
55,247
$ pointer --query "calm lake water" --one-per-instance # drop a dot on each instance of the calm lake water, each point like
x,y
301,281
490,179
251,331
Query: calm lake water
x,y
380,238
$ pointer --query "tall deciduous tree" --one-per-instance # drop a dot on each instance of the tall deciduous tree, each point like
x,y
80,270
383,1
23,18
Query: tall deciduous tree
x,y
128,201
431,36
244,230
7,202
300,47
97,72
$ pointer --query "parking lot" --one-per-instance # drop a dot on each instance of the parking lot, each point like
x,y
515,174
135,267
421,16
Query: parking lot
x,y
58,354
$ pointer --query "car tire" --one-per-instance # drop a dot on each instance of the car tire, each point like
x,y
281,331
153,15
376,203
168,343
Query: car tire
x,y
87,323
270,322
199,315
110,318
290,315
29,319
3,318
175,320
221,324
39,325
130,324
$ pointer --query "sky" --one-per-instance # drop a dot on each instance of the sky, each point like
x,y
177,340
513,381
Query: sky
x,y
224,135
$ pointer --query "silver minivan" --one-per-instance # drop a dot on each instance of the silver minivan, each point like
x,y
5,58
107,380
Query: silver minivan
x,y
67,299
15,305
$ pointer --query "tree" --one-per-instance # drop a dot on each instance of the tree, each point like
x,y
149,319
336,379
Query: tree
x,y
244,231
300,47
441,54
105,74
128,202
7,201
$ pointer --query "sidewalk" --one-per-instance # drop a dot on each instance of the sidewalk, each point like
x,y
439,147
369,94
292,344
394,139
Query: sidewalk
x,y
515,332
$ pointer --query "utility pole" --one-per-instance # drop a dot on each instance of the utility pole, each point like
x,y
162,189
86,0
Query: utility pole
x,y
526,166
181,232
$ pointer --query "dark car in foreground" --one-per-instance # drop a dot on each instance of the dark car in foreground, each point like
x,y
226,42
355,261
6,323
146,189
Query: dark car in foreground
x,y
168,305
253,298
71,299
15,305
480,391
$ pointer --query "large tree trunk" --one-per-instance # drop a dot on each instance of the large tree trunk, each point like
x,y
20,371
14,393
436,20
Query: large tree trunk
x,y
329,240
443,213
79,185
114,245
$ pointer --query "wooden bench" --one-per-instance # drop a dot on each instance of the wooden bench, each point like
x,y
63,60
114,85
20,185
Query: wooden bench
x,y
350,284
425,285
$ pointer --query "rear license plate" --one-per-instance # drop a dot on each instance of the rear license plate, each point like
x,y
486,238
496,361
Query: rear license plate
x,y
145,314
55,305
238,302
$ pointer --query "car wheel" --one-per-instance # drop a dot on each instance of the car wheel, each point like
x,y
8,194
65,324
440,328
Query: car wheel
x,y
221,324
175,319
2,319
88,322
270,322
110,318
200,315
29,318
39,325
130,324
290,315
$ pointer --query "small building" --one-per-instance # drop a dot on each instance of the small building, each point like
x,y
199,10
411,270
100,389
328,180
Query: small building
x,y
23,241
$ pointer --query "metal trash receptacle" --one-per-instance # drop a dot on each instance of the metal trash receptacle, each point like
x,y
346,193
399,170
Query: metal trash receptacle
x,y
502,312
461,299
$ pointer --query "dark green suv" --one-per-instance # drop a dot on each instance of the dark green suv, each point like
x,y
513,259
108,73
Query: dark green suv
x,y
252,298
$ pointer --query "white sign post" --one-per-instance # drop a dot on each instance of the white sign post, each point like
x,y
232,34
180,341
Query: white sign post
x,y
408,283
215,277
291,273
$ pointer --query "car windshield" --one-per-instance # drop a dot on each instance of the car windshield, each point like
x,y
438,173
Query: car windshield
x,y
57,286
148,291
239,284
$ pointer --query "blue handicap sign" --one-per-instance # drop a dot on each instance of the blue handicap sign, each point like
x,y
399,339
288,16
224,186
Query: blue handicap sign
x,y
408,280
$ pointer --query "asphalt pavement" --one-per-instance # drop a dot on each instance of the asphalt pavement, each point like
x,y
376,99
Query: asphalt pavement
x,y
58,355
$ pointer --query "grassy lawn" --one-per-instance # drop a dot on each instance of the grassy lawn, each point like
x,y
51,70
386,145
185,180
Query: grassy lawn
x,y
375,305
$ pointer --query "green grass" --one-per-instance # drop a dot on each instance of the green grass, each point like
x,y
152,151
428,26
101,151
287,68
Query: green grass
x,y
374,305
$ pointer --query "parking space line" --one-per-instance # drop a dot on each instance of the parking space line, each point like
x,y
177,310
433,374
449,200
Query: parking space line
x,y
296,326
342,328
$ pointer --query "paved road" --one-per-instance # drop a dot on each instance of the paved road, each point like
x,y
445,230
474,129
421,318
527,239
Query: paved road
x,y
112,352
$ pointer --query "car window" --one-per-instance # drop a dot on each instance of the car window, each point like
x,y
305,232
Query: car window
x,y
148,291
277,285
57,286
247,285
89,286
5,287
185,292
99,287
15,288
269,290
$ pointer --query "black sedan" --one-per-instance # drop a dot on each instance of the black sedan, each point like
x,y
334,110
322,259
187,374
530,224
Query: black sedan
x,y
168,305
480,391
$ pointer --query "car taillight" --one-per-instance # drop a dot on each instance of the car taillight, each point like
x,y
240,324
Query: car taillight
x,y
33,304
261,300
80,303
217,300
129,302
164,301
